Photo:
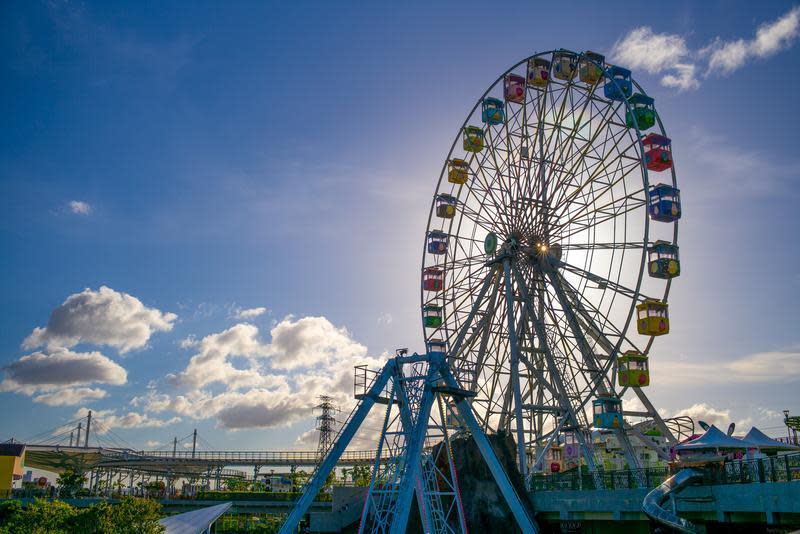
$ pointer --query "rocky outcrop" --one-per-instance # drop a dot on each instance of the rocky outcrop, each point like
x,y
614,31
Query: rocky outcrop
x,y
484,506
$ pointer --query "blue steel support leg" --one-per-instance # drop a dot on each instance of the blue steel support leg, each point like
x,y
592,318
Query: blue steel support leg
x,y
526,523
336,451
377,464
514,344
407,420
413,454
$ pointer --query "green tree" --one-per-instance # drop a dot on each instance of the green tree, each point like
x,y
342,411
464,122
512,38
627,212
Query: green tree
x,y
237,484
7,511
361,475
131,516
298,479
40,517
69,483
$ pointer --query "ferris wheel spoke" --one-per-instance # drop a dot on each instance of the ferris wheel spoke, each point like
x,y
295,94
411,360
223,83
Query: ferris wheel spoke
x,y
609,214
481,356
515,382
629,245
590,162
568,144
590,359
588,318
600,170
478,219
604,283
615,180
454,351
490,195
578,162
588,101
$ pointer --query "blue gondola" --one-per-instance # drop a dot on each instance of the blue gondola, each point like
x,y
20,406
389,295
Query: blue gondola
x,y
493,111
607,412
622,89
437,346
437,242
665,203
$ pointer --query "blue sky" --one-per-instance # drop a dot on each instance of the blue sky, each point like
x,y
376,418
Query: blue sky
x,y
206,159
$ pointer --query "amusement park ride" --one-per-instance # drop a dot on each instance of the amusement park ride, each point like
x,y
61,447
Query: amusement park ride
x,y
546,239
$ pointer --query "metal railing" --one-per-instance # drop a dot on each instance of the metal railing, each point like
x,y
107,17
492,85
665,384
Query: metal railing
x,y
576,479
114,455
762,470
248,456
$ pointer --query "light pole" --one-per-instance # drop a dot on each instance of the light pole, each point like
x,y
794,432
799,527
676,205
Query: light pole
x,y
786,422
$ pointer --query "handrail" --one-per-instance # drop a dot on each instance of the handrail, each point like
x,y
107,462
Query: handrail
x,y
185,456
781,468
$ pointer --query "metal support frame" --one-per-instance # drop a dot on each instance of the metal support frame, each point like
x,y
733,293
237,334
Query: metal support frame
x,y
569,413
514,345
590,360
438,371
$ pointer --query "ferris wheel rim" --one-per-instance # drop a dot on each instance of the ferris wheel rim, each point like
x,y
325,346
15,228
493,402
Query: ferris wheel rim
x,y
644,171
632,132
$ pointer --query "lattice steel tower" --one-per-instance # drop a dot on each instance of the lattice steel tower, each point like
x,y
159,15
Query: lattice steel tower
x,y
326,423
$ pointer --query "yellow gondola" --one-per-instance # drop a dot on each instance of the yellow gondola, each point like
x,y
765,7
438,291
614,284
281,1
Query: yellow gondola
x,y
457,171
652,318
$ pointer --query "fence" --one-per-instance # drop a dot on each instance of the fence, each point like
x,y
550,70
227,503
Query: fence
x,y
771,469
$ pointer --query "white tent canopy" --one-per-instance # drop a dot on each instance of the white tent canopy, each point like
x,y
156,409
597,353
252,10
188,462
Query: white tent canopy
x,y
714,438
757,439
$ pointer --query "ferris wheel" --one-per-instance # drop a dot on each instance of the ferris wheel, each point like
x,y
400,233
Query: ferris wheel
x,y
549,253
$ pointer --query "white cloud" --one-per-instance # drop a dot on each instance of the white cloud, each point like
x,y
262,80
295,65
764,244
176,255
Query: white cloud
x,y
683,78
776,36
721,418
214,361
58,369
70,396
764,367
79,207
248,313
102,317
311,341
668,54
771,38
189,342
54,377
652,52
266,384
726,57
106,420
385,319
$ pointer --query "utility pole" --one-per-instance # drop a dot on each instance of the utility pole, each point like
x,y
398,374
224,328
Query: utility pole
x,y
325,424
88,426
194,442
78,441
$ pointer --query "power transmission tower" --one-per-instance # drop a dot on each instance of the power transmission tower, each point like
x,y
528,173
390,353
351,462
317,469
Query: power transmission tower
x,y
326,423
